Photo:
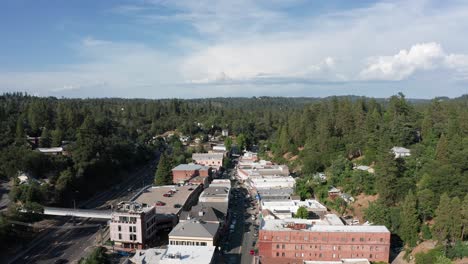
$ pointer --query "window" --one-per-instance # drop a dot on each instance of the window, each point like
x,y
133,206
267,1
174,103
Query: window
x,y
306,238
277,254
370,256
120,236
282,254
334,255
133,219
283,246
361,239
381,239
203,243
120,228
277,246
352,239
320,255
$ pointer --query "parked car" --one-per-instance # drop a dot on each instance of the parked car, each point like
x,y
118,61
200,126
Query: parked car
x,y
159,203
252,252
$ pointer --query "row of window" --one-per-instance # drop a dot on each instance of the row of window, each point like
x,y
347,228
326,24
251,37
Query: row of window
x,y
188,243
133,237
319,247
324,239
320,255
131,229
127,219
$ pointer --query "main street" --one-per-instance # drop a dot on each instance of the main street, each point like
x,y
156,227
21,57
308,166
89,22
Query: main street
x,y
237,243
72,244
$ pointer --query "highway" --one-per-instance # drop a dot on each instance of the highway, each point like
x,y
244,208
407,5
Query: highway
x,y
69,245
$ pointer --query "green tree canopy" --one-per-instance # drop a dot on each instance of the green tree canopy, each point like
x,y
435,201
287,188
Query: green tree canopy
x,y
302,213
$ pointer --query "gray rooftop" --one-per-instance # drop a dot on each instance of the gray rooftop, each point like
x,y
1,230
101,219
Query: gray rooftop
x,y
195,228
190,167
206,212
205,156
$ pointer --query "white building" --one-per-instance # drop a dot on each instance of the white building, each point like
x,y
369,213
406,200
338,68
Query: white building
x,y
225,132
269,182
219,148
401,152
287,208
132,225
214,194
262,168
175,255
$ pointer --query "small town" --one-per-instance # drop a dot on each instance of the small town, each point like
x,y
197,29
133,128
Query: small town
x,y
234,132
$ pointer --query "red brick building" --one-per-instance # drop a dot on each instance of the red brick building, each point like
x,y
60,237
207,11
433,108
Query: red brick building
x,y
298,240
185,172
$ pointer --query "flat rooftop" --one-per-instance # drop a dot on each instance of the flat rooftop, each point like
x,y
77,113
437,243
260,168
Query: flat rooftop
x,y
281,225
215,191
156,193
207,156
190,167
175,254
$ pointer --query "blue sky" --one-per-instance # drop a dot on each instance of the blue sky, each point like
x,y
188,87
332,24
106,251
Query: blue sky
x,y
203,48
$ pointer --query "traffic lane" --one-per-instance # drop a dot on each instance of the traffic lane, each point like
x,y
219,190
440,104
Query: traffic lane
x,y
57,244
232,242
4,198
249,241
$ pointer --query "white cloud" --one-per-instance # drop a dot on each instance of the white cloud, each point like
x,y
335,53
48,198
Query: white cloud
x,y
419,57
238,45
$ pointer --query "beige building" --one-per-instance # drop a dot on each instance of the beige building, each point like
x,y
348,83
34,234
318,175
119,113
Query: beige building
x,y
132,224
213,160
194,233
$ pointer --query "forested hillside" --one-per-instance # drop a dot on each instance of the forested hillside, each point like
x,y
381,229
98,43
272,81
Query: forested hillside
x,y
108,137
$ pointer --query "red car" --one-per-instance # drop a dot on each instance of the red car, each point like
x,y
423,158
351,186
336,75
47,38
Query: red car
x,y
167,195
159,203
252,252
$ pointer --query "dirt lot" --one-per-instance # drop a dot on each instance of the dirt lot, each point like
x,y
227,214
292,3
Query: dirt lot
x,y
361,202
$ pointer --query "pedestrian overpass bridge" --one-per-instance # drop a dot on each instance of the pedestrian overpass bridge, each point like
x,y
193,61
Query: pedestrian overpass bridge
x,y
85,213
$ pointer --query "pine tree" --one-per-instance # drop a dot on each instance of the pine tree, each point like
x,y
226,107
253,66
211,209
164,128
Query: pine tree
x,y
163,174
464,216
442,149
441,228
241,141
57,136
228,143
409,225
20,134
387,175
46,139
455,220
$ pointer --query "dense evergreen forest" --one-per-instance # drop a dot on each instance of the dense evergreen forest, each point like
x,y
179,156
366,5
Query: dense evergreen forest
x,y
419,197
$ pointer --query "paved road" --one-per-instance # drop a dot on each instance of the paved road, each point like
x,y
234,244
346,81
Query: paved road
x,y
237,244
72,244
4,198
